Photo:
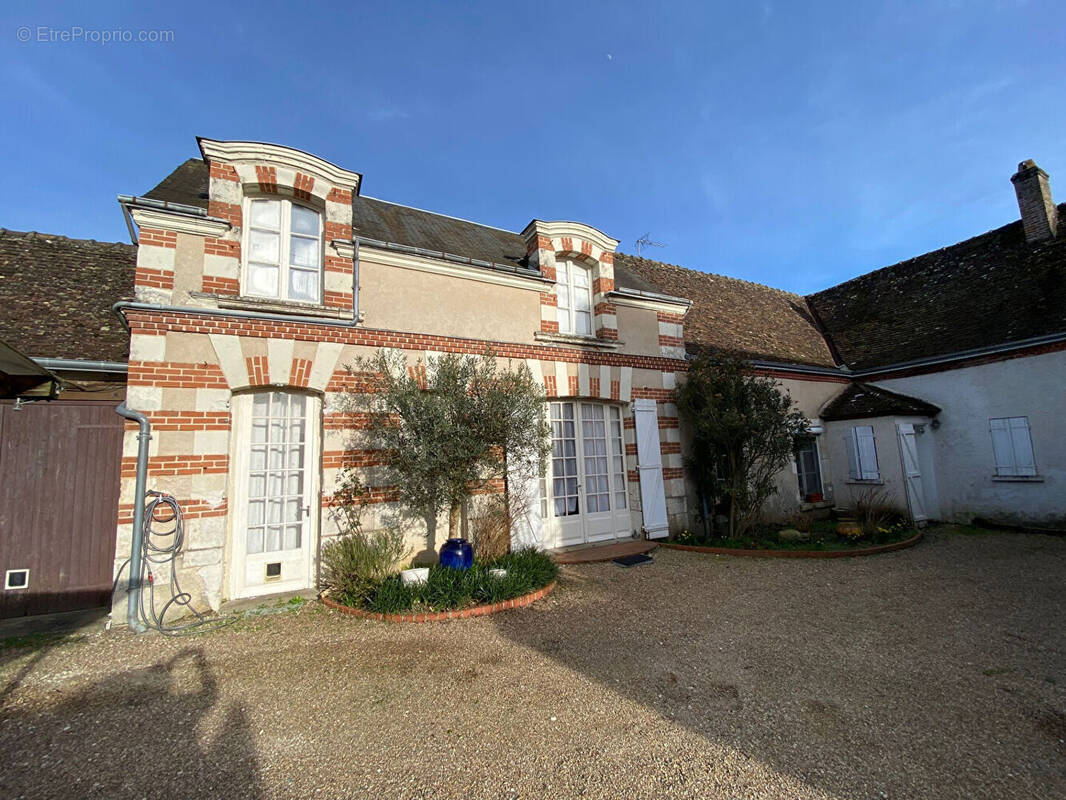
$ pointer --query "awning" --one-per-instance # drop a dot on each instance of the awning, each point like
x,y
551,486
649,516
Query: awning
x,y
20,376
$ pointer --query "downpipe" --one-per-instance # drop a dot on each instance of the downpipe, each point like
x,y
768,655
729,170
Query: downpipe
x,y
133,595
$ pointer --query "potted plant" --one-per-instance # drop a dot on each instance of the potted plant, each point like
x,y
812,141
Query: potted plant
x,y
815,497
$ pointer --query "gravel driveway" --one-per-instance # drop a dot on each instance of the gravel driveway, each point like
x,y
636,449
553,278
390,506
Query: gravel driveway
x,y
934,672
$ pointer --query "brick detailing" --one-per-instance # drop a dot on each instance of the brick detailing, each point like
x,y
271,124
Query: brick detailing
x,y
550,389
337,299
667,448
548,272
223,286
258,370
671,341
223,172
549,299
339,196
157,238
191,508
603,285
594,387
631,449
442,616
669,422
300,373
664,316
549,326
355,381
540,243
586,248
268,179
176,375
168,466
417,373
629,422
302,186
352,459
390,494
616,390
566,244
672,473
606,257
337,230
573,385
345,421
661,395
160,322
153,278
338,264
221,247
607,333
187,421
606,308
227,211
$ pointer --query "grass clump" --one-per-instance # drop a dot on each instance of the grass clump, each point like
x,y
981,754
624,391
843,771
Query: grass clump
x,y
449,589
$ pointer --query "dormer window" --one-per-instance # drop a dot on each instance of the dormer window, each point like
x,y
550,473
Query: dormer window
x,y
284,251
574,290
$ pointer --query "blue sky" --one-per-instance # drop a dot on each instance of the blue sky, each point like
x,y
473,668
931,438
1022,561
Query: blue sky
x,y
794,144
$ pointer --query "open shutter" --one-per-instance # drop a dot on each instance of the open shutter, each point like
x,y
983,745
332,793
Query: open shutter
x,y
523,500
1022,443
1002,449
864,440
650,465
852,449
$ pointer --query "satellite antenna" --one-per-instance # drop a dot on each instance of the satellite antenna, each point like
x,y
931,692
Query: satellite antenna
x,y
645,241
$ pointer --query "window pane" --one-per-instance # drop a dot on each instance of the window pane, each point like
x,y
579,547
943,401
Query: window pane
x,y
273,539
564,320
304,220
584,322
255,540
303,252
266,214
580,276
563,296
303,285
262,280
582,302
292,537
263,247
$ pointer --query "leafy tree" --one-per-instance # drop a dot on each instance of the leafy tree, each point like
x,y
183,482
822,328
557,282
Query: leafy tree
x,y
743,429
445,426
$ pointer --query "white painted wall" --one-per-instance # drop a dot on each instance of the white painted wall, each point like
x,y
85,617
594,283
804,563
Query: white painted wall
x,y
1033,387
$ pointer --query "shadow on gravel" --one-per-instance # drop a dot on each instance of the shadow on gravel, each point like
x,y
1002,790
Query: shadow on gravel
x,y
857,678
153,732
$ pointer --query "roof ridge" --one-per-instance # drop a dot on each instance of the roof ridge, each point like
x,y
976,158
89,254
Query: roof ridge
x,y
1014,223
439,214
792,295
8,232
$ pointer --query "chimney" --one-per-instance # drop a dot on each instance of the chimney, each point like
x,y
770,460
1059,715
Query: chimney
x,y
1040,217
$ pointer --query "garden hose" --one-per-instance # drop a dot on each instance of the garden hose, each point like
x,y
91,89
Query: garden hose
x,y
162,540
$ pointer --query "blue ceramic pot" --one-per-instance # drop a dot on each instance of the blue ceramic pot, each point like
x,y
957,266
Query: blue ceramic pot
x,y
457,554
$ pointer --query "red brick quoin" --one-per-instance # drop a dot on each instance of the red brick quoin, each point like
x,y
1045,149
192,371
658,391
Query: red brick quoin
x,y
443,616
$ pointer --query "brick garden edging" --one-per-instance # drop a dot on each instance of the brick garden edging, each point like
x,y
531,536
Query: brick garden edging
x,y
862,551
443,616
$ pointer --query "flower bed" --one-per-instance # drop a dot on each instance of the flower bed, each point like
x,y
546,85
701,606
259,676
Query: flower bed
x,y
794,550
451,593
442,616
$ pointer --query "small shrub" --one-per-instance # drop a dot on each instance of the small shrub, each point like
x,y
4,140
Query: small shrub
x,y
490,531
354,564
390,596
874,512
802,522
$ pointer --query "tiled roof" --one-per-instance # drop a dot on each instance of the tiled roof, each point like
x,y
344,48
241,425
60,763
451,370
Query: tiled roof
x,y
56,294
735,316
993,289
861,401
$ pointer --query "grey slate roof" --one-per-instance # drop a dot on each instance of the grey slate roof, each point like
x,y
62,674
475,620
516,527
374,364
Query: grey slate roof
x,y
862,401
187,185
989,290
56,295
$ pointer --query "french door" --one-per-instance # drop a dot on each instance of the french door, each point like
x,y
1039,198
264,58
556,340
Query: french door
x,y
276,494
585,490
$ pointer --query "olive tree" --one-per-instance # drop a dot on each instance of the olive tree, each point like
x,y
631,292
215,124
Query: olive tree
x,y
743,429
444,426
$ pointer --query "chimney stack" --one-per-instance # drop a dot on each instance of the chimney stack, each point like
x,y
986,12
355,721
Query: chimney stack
x,y
1040,217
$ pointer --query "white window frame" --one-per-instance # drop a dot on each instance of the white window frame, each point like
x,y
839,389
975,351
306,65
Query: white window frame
x,y
284,250
801,442
569,312
1012,447
862,455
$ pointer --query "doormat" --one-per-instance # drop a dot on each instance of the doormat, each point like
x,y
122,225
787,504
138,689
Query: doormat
x,y
634,560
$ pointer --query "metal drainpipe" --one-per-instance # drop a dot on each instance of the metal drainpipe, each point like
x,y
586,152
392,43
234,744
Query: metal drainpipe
x,y
133,596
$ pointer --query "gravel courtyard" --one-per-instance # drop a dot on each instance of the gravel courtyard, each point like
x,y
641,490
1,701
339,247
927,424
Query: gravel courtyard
x,y
934,672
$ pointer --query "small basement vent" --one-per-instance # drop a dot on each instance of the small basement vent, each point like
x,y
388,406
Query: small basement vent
x,y
273,571
16,579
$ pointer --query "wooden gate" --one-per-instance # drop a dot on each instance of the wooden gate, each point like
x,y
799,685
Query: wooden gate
x,y
59,488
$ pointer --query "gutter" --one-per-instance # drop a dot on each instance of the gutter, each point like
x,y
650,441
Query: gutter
x,y
76,365
640,294
962,355
135,201
524,272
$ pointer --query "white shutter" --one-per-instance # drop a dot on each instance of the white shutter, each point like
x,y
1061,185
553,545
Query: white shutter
x,y
523,498
650,465
1022,443
867,451
912,472
852,449
1002,450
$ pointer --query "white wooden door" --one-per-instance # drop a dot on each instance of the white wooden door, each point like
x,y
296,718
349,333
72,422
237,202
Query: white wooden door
x,y
276,509
912,473
586,494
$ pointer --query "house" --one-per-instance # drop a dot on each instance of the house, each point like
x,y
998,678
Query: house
x,y
263,272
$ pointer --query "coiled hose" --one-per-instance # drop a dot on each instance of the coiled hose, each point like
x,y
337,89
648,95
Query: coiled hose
x,y
164,535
